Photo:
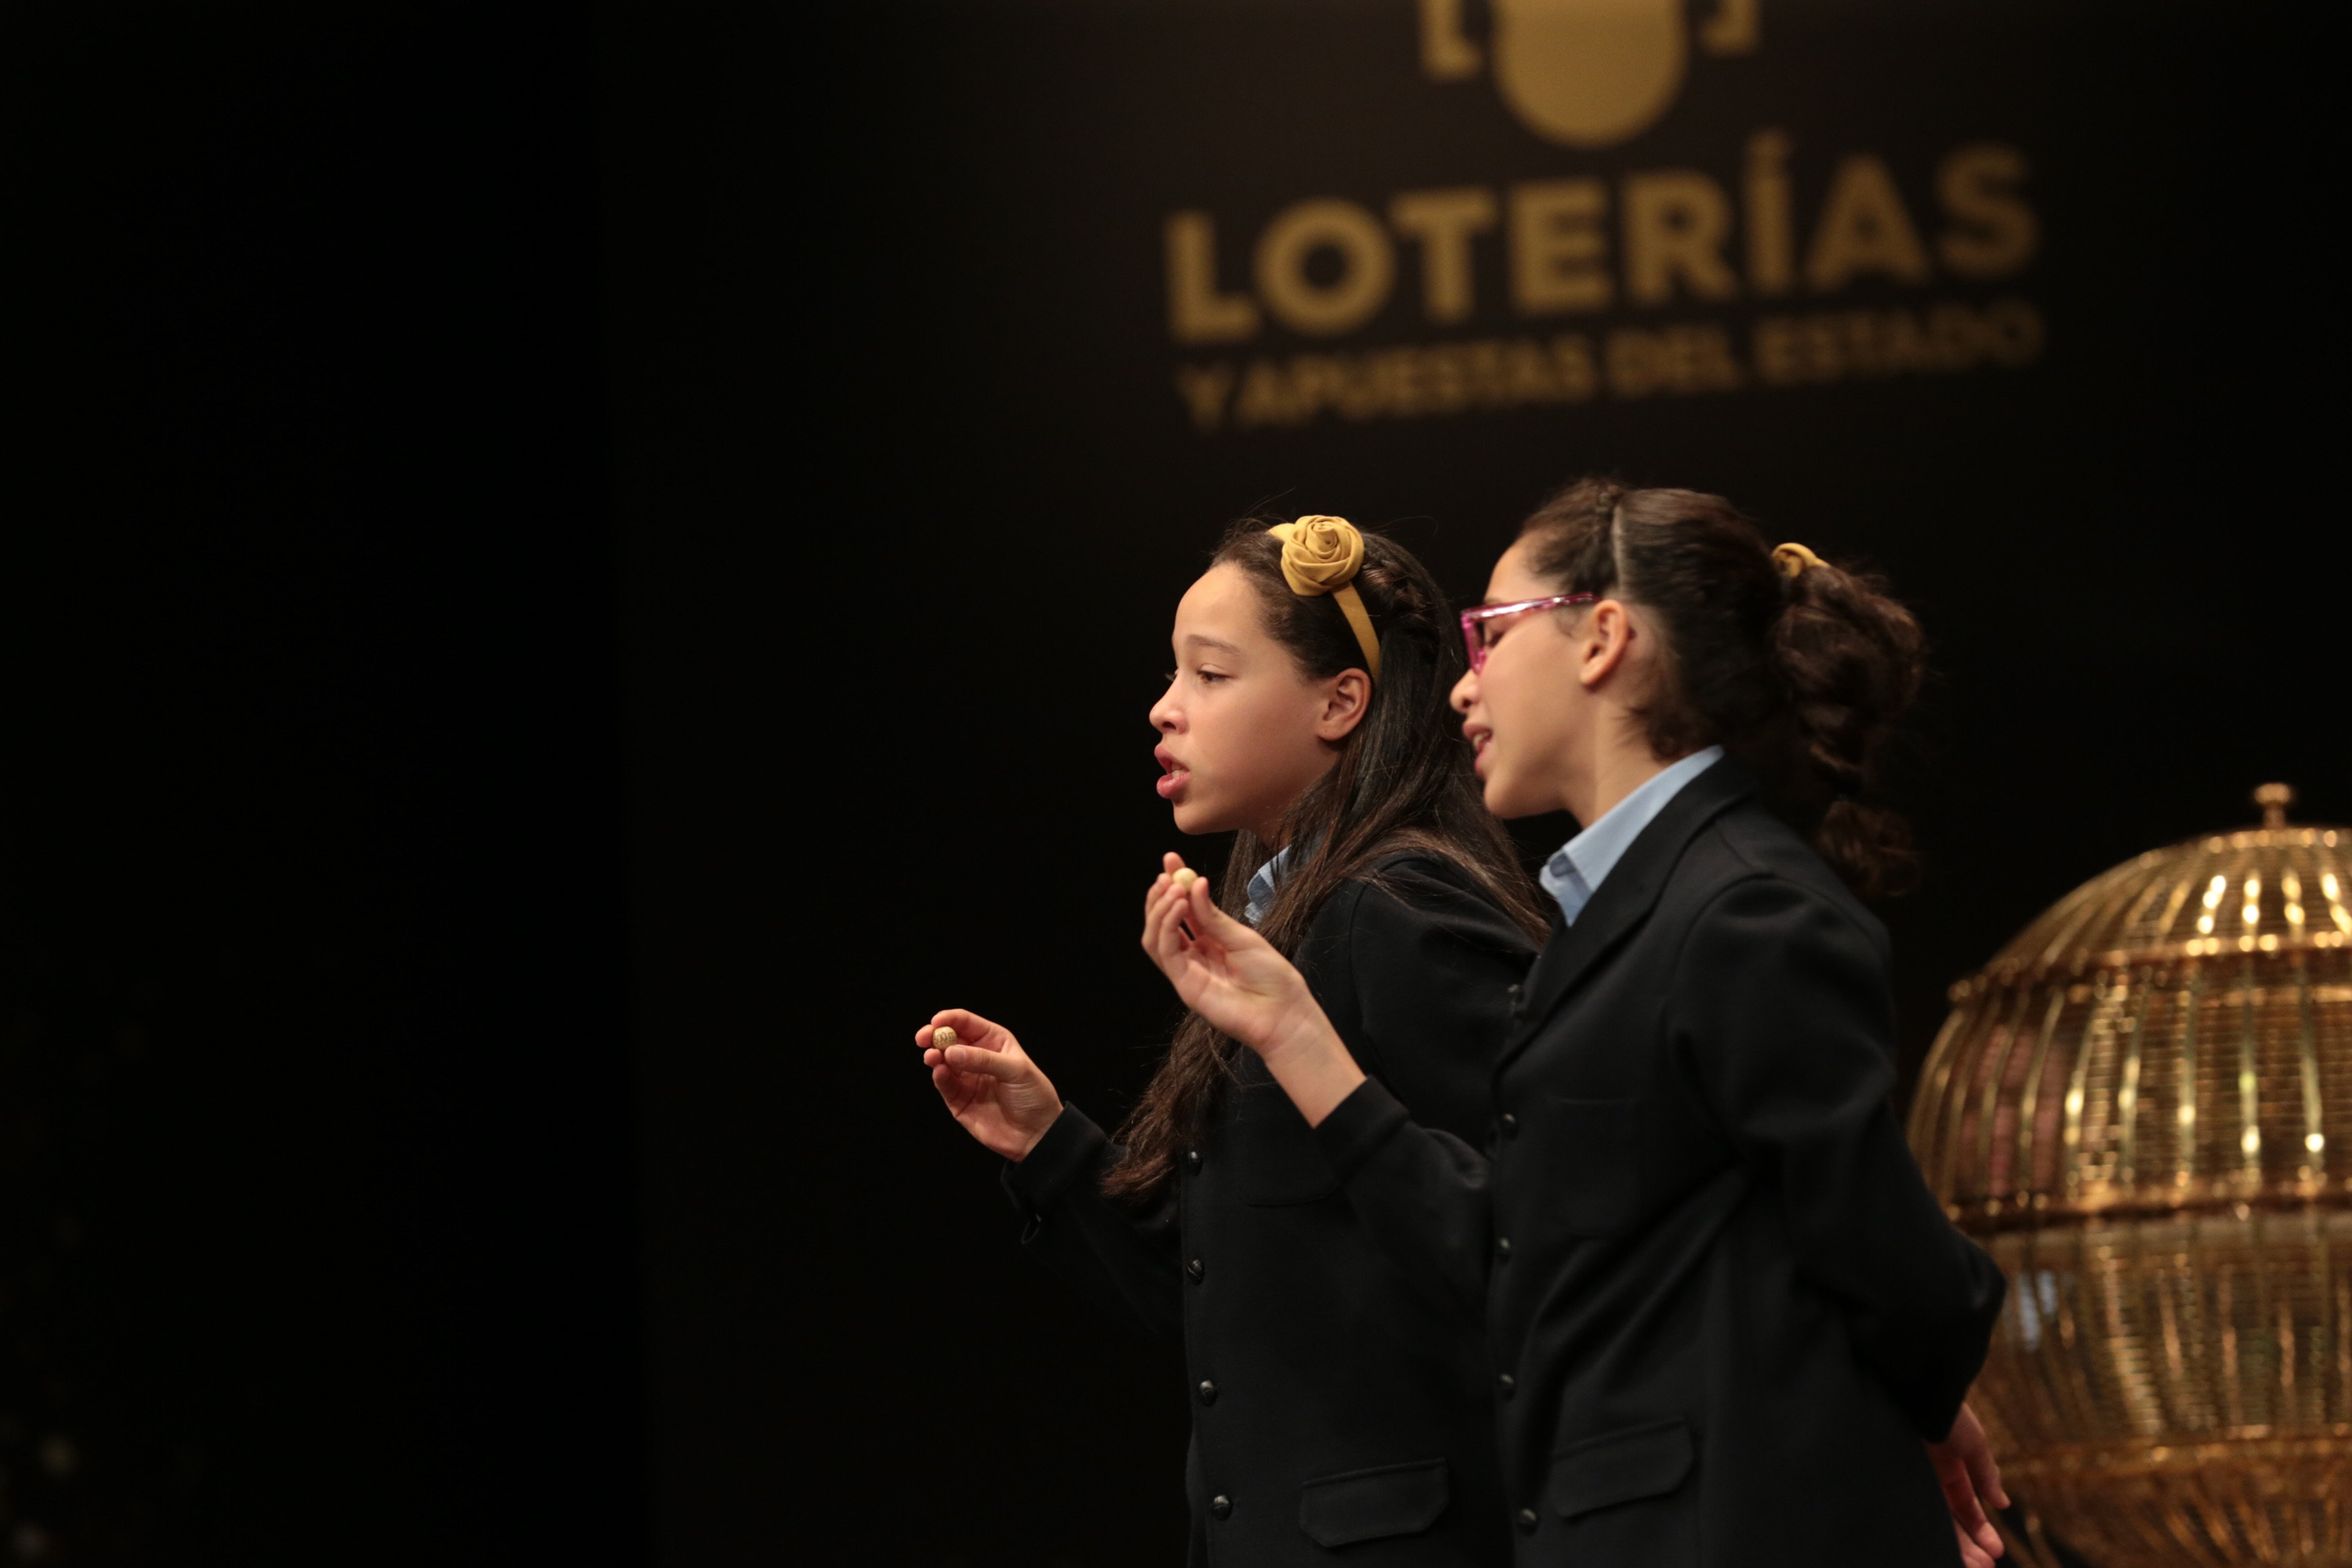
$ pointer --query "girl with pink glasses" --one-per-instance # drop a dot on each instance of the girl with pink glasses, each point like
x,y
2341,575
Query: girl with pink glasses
x,y
1726,1323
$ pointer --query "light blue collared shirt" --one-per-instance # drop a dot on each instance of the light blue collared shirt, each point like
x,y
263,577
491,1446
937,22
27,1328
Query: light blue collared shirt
x,y
1578,867
1264,883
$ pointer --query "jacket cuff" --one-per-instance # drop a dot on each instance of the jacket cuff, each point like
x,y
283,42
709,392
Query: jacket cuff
x,y
1073,1147
1359,1125
1938,1408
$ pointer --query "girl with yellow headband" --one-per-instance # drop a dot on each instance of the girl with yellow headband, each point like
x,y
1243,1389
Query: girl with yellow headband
x,y
1727,1324
1338,1402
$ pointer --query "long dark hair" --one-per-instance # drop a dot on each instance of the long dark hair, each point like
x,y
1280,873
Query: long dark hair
x,y
1804,676
1402,780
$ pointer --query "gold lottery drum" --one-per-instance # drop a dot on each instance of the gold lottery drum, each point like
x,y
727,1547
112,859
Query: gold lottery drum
x,y
2143,1108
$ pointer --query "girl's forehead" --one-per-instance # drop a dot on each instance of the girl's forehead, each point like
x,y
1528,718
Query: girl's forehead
x,y
1221,603
1512,578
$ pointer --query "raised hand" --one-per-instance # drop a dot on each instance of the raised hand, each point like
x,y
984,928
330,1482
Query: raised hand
x,y
1239,982
989,1083
1223,969
1969,1476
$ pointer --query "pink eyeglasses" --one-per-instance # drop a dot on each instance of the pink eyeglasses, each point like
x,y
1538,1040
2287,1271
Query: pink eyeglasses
x,y
1478,621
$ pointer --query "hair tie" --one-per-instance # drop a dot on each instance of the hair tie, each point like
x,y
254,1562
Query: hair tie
x,y
1792,560
1322,555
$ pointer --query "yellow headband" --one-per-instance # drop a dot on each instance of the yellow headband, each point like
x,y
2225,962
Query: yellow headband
x,y
1322,555
1792,560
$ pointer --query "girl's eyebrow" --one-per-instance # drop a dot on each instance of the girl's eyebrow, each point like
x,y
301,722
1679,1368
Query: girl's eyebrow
x,y
1197,640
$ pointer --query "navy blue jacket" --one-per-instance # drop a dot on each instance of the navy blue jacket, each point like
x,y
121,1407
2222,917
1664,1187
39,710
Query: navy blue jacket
x,y
1722,1308
1340,1411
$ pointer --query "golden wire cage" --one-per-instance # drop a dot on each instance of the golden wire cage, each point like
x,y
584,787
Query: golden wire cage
x,y
2143,1108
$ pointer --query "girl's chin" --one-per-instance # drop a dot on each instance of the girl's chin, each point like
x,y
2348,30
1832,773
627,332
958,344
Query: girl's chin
x,y
1191,820
1506,803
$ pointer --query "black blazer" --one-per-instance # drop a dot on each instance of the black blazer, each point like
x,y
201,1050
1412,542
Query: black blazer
x,y
1339,1408
1722,1308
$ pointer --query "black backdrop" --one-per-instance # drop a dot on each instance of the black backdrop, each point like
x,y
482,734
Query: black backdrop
x,y
319,1149
524,538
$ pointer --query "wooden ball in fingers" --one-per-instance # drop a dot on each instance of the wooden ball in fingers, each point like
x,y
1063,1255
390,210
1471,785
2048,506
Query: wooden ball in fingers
x,y
1184,878
943,1037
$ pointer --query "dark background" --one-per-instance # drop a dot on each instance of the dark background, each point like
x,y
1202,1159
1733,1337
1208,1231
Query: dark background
x,y
564,584
320,1161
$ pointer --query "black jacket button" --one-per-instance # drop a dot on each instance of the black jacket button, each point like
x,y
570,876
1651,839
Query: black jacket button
x,y
1221,1505
1508,1383
1208,1392
1510,1125
1192,1162
1527,1519
1194,1271
1502,1249
1518,1003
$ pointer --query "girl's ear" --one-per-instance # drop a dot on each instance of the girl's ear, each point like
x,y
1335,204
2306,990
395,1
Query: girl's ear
x,y
1344,705
1607,635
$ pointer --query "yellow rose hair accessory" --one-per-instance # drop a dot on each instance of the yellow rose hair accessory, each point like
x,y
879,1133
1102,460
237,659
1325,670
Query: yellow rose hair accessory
x,y
1322,555
1792,560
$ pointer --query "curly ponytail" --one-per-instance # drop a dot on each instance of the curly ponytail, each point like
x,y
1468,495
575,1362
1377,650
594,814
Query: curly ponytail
x,y
1803,674
1851,658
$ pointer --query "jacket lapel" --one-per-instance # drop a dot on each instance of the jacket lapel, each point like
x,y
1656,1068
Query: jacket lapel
x,y
1625,896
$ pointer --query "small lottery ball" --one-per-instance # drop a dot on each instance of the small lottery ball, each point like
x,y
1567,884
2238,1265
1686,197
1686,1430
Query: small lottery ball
x,y
943,1037
1185,876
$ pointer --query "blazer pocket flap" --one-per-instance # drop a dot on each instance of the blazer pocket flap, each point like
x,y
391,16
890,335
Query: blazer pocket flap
x,y
1367,1505
1622,1467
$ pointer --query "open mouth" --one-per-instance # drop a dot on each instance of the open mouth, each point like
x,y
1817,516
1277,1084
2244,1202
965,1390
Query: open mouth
x,y
1174,775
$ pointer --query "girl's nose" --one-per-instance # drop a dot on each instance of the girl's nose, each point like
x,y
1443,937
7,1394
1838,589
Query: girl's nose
x,y
1465,695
